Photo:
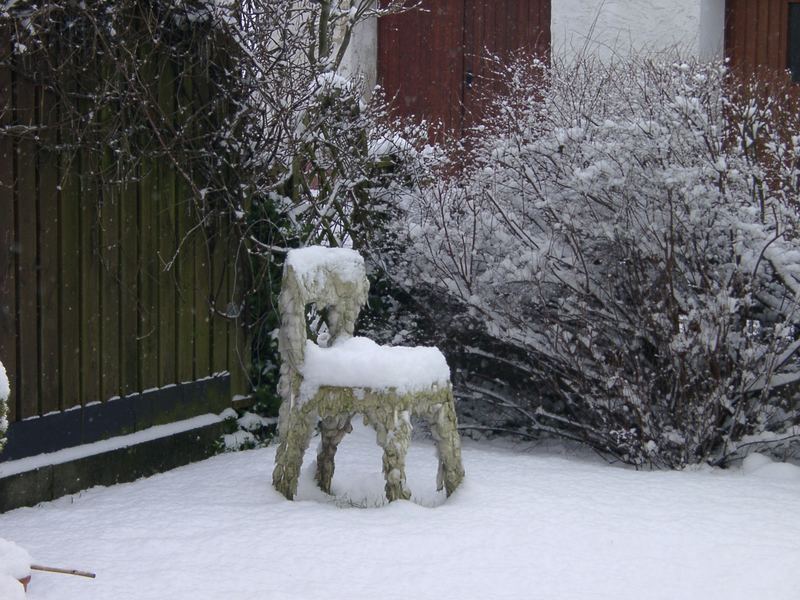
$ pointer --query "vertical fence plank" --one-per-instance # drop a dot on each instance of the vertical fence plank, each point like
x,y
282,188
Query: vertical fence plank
x,y
127,198
166,281
202,264
8,300
238,353
240,361
110,216
49,255
27,259
229,305
202,314
89,235
109,277
129,313
148,263
165,187
217,242
70,252
71,324
185,309
219,298
148,277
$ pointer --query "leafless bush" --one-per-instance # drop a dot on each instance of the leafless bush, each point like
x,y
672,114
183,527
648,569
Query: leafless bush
x,y
622,250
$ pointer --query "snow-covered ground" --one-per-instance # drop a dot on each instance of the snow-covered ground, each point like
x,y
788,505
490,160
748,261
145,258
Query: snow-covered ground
x,y
526,524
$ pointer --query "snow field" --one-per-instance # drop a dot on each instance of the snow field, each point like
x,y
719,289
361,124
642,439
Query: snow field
x,y
11,589
14,561
526,524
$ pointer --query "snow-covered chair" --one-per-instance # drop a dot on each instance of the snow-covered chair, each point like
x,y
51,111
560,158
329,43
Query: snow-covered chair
x,y
353,375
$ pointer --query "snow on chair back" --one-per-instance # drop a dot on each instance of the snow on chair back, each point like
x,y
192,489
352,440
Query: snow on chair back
x,y
353,375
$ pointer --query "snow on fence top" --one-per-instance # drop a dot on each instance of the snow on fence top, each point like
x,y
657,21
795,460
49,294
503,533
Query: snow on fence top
x,y
361,363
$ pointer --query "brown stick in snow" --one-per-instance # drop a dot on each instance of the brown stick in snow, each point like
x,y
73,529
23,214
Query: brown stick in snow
x,y
64,571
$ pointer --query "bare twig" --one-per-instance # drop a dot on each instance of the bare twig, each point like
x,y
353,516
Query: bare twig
x,y
63,571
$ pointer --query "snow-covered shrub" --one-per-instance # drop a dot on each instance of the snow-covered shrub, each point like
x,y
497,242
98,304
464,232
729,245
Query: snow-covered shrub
x,y
623,244
5,390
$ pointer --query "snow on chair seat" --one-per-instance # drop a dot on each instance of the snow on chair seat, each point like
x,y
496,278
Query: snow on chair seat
x,y
359,362
353,375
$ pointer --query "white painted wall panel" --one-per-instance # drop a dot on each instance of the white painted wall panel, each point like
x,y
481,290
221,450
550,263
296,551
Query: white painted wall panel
x,y
361,58
712,29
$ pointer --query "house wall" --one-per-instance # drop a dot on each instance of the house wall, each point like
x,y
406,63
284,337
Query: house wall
x,y
712,29
606,28
361,58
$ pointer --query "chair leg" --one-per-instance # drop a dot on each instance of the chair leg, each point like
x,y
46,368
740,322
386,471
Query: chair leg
x,y
444,429
296,434
394,436
332,430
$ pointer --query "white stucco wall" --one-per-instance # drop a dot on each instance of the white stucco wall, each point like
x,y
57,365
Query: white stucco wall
x,y
712,29
609,28
361,58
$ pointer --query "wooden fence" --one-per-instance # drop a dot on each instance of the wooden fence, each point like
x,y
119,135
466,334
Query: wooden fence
x,y
88,308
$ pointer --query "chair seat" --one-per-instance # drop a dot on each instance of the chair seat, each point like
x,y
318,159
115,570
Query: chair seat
x,y
359,362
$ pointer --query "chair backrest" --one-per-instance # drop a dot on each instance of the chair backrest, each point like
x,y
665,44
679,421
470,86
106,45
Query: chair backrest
x,y
331,278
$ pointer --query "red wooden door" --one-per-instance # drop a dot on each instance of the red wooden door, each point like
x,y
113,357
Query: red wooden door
x,y
436,63
757,34
494,30
421,61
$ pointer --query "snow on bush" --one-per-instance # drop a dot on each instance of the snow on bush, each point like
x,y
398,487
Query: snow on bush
x,y
5,390
625,235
